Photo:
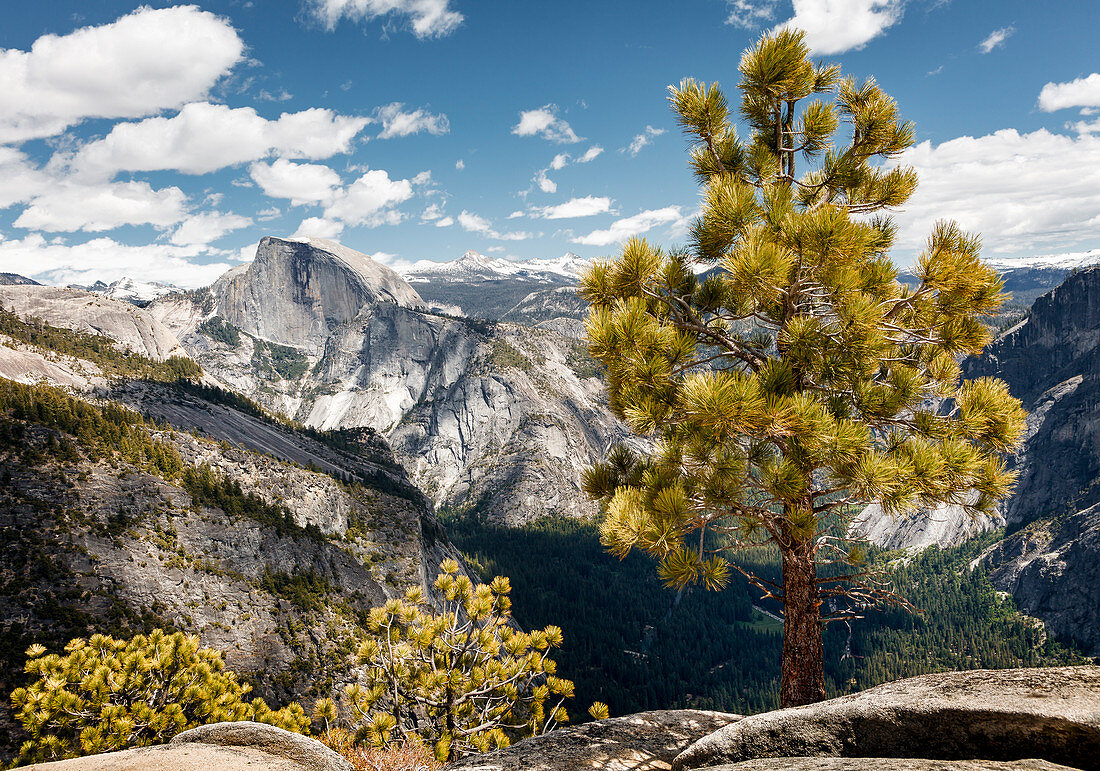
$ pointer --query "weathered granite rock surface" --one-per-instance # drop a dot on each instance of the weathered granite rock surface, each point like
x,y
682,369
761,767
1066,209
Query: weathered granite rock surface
x,y
887,764
1052,569
946,525
296,291
1052,714
217,747
277,742
497,415
165,757
131,327
647,740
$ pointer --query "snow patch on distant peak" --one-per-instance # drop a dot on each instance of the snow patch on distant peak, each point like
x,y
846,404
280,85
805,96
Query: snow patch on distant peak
x,y
475,266
1065,261
130,290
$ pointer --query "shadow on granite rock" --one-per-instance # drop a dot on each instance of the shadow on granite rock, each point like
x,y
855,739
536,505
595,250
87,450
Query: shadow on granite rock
x,y
643,742
243,746
887,764
1052,714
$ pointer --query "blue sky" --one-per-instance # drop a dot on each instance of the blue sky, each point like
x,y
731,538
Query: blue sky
x,y
161,141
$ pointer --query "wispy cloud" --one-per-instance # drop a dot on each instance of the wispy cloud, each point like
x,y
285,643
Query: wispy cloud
x,y
475,223
542,177
622,229
1082,92
996,39
641,140
399,122
544,122
750,14
426,18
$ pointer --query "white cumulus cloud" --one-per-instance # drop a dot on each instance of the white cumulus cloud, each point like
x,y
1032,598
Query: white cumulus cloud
x,y
319,227
622,229
996,38
576,207
207,227
426,18
20,180
145,62
67,207
399,122
302,183
370,200
1082,92
836,26
204,137
105,259
1024,193
544,122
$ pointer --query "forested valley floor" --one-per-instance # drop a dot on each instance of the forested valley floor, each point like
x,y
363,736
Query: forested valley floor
x,y
632,645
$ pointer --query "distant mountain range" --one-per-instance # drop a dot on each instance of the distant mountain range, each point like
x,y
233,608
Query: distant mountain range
x,y
14,279
139,293
473,266
486,287
494,288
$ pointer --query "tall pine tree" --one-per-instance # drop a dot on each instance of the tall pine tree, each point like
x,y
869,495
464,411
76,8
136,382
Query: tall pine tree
x,y
798,378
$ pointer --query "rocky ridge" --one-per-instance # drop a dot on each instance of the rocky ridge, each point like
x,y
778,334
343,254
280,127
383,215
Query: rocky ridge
x,y
78,310
7,279
483,414
487,287
266,540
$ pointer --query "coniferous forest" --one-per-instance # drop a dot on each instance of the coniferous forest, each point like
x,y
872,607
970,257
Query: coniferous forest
x,y
636,645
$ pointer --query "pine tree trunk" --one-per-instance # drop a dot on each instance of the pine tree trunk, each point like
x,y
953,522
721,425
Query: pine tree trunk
x,y
803,665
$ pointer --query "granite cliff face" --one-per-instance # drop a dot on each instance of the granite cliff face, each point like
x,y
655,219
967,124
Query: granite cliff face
x,y
1052,568
296,292
1051,362
494,415
1049,559
132,328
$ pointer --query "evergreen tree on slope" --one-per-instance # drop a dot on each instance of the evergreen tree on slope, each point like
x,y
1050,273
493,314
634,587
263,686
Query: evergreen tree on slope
x,y
802,378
